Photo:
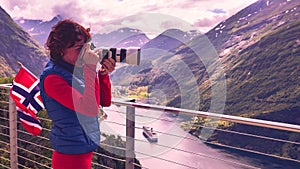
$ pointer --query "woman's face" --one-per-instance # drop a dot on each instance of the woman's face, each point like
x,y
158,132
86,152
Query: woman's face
x,y
71,54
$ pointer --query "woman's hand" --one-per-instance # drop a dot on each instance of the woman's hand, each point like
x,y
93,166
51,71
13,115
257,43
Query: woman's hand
x,y
108,65
89,56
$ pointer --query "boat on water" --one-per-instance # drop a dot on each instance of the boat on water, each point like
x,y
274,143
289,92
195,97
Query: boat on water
x,y
150,134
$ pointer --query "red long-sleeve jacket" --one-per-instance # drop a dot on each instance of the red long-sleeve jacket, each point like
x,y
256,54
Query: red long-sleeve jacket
x,y
58,89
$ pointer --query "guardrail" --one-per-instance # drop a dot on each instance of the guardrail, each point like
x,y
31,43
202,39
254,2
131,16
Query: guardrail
x,y
235,119
18,143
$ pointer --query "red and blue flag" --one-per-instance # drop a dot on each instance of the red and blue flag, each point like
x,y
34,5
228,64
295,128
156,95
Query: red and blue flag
x,y
25,92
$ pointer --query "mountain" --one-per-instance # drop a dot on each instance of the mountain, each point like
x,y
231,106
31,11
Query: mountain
x,y
171,39
248,65
258,49
167,42
38,29
259,46
156,49
17,45
123,37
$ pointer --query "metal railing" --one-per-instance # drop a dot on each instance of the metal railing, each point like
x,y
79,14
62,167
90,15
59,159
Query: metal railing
x,y
18,143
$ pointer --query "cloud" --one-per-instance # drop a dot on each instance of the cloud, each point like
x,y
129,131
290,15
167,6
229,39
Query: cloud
x,y
100,13
150,23
217,11
209,22
68,10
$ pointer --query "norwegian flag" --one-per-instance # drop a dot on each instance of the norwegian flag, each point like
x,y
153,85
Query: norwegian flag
x,y
25,92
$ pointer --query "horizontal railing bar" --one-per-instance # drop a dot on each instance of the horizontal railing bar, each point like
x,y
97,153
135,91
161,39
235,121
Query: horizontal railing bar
x,y
4,92
252,151
236,119
4,150
113,122
30,143
135,164
249,135
5,135
3,102
3,118
23,166
100,165
3,158
113,158
41,137
139,115
7,127
30,152
4,110
170,161
5,86
115,147
3,166
32,161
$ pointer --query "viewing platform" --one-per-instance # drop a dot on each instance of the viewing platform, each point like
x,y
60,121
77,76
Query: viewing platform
x,y
170,147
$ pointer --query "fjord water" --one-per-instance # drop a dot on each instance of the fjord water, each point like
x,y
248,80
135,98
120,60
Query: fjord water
x,y
177,149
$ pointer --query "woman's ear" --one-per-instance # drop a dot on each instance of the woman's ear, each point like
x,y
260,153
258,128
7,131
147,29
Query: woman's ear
x,y
88,29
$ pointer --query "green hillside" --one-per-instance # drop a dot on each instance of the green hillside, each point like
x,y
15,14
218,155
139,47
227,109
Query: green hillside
x,y
17,45
265,77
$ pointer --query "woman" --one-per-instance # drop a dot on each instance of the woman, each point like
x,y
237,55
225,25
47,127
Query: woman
x,y
72,91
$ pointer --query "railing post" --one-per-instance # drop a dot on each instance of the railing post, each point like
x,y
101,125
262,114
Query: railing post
x,y
13,134
130,127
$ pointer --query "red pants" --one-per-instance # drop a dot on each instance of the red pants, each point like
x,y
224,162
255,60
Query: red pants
x,y
71,161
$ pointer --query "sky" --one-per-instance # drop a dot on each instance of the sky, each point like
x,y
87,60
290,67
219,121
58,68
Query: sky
x,y
152,17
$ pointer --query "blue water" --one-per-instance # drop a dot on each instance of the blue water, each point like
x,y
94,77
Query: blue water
x,y
185,151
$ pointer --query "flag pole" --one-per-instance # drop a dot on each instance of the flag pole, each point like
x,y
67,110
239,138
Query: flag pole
x,y
13,133
20,64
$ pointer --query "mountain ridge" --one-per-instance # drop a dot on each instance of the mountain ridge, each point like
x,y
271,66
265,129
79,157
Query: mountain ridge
x,y
17,45
38,29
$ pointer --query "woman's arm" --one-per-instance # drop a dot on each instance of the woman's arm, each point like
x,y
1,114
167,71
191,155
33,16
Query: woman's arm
x,y
87,103
105,90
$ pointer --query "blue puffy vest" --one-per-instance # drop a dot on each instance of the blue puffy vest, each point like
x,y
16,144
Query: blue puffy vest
x,y
72,132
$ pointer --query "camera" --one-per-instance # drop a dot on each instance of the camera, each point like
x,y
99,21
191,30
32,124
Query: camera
x,y
130,55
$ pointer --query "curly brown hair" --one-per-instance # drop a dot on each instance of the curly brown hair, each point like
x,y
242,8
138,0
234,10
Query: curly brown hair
x,y
64,35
